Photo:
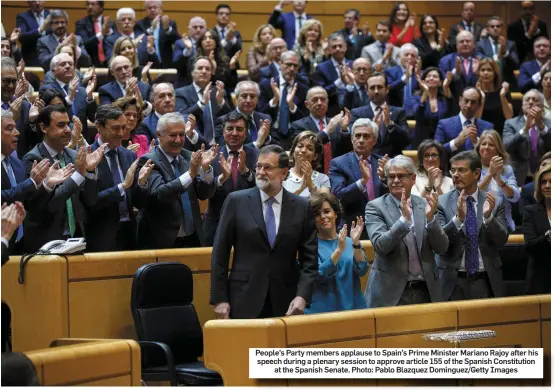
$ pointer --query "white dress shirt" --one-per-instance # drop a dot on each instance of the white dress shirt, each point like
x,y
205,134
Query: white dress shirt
x,y
463,119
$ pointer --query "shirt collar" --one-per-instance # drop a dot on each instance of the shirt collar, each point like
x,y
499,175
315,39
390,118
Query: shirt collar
x,y
61,83
50,151
463,119
122,87
282,81
197,87
374,106
229,150
335,63
3,157
317,121
474,195
132,35
279,196
107,149
157,114
170,158
303,15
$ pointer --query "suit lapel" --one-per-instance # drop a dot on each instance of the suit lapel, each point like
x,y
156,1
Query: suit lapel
x,y
5,179
353,161
480,208
164,163
287,211
453,201
392,208
255,208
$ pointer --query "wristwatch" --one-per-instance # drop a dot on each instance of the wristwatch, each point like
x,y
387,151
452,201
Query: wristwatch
x,y
503,184
359,246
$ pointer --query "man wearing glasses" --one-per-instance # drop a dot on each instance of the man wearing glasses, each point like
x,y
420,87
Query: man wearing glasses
x,y
46,45
405,232
462,132
474,221
354,94
266,226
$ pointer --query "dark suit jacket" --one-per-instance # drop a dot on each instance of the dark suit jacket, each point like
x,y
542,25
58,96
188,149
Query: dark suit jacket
x,y
524,45
397,86
230,49
426,121
160,218
344,173
29,36
257,116
46,47
449,128
492,237
46,215
258,269
526,196
448,63
355,46
430,57
85,29
166,39
103,216
325,76
351,99
391,142
525,81
534,226
508,64
25,188
27,137
111,92
453,31
142,54
5,254
340,140
285,21
266,94
216,202
269,71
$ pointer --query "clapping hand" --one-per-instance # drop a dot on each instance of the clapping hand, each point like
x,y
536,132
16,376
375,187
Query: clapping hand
x,y
39,171
342,239
57,175
406,210
381,164
225,167
209,156
190,126
356,230
234,59
144,173
134,147
12,217
461,207
35,110
220,88
91,85
263,132
364,170
489,205
431,205
504,88
130,175
291,97
15,107
196,162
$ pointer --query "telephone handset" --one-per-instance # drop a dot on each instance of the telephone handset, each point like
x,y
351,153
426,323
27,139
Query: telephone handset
x,y
73,245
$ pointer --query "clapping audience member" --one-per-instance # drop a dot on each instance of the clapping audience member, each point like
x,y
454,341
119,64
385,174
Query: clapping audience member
x,y
525,30
257,57
70,50
130,139
529,76
126,47
402,25
356,36
527,190
546,91
273,52
303,179
12,220
468,14
496,98
9,46
432,42
536,226
186,48
405,233
290,23
355,92
403,77
341,259
431,174
381,53
497,176
230,38
431,103
33,24
311,46
94,29
528,136
463,63
170,217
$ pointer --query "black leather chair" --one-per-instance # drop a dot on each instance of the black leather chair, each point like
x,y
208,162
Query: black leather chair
x,y
167,325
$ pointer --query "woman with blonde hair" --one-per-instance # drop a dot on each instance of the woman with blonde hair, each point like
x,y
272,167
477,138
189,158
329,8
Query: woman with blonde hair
x,y
311,47
497,175
305,154
127,47
256,57
536,226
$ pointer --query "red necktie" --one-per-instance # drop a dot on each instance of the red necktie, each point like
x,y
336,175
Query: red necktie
x,y
234,165
327,150
97,29
466,66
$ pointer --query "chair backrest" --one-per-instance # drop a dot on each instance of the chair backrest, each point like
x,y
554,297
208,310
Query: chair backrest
x,y
162,309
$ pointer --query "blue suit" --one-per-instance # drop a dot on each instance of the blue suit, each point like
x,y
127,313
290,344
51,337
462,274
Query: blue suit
x,y
181,63
448,63
266,94
165,39
142,55
25,188
448,129
85,29
344,174
29,36
397,86
527,70
257,117
426,120
269,71
111,92
285,21
325,76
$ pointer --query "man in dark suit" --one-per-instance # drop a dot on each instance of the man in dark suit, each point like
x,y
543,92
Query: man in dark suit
x,y
393,136
275,251
332,132
502,50
525,30
405,233
202,99
461,62
531,72
276,47
355,177
246,94
46,45
163,98
125,21
162,28
355,37
400,75
19,106
474,221
59,213
283,98
95,29
467,23
328,74
186,48
111,220
355,93
171,216
290,23
34,24
461,132
234,170
124,85
229,37
527,137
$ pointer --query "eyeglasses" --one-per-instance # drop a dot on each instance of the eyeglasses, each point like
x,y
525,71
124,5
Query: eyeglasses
x,y
458,170
363,70
431,156
266,168
400,176
7,81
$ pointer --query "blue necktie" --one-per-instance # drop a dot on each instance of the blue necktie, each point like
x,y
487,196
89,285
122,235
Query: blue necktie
x,y
283,123
66,89
13,184
208,119
222,33
270,221
156,34
251,125
471,244
382,47
363,96
116,176
188,225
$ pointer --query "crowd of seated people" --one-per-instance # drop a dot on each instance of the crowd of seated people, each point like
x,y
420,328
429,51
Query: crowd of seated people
x,y
127,161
